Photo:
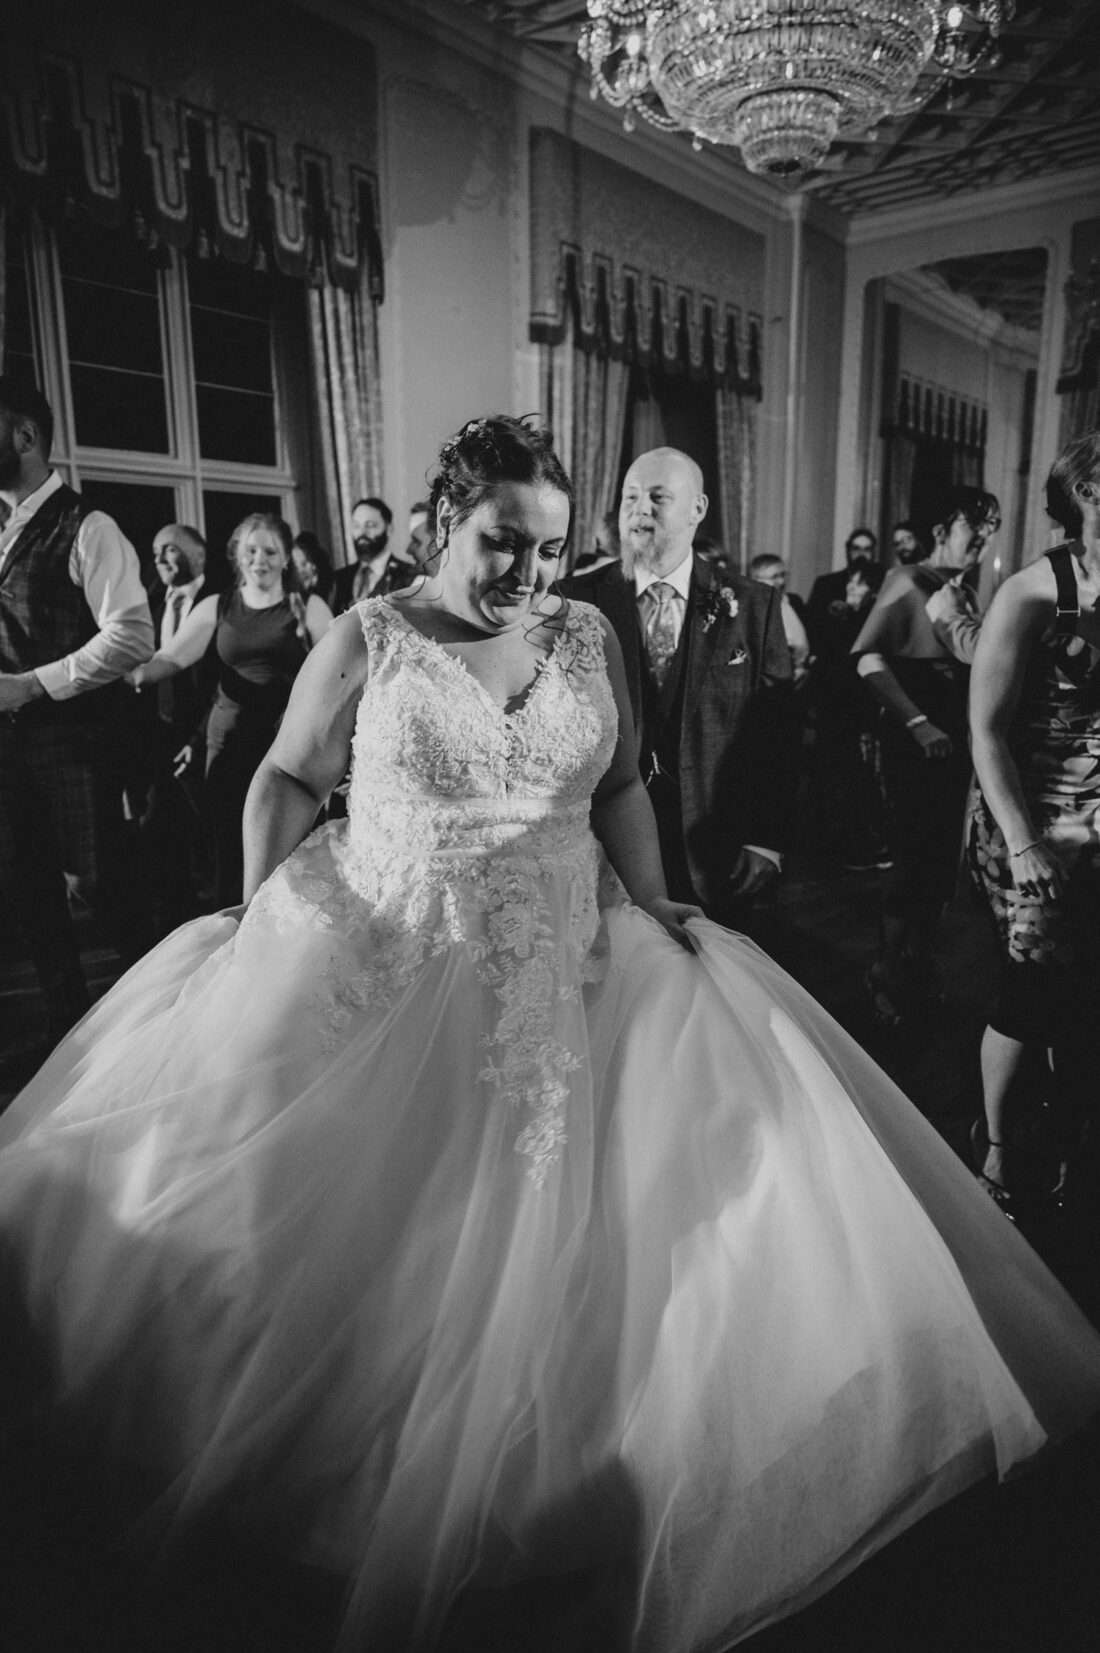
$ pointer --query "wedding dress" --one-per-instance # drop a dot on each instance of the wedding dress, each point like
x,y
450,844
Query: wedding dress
x,y
453,1225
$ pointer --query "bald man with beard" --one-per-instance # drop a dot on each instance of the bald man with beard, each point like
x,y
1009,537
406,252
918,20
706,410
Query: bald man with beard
x,y
709,672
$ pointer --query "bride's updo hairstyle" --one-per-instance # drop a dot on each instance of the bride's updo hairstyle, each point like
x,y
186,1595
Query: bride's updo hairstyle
x,y
488,452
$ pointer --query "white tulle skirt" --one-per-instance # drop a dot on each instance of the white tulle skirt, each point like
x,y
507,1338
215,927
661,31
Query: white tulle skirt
x,y
751,1322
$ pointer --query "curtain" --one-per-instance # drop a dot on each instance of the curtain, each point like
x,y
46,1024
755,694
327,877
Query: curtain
x,y
648,425
3,281
585,394
343,342
968,466
736,418
901,461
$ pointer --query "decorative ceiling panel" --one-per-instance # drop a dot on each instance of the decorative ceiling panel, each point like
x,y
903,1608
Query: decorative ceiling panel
x,y
1036,114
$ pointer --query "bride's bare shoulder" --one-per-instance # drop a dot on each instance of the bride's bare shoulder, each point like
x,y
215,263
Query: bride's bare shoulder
x,y
343,652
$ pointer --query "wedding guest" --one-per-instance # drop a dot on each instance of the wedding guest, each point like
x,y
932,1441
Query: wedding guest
x,y
830,588
905,544
173,837
921,686
709,673
376,571
772,570
74,618
1034,829
313,566
419,546
847,795
262,631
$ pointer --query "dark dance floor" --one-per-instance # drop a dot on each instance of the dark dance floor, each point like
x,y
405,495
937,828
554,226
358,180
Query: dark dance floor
x,y
1011,1569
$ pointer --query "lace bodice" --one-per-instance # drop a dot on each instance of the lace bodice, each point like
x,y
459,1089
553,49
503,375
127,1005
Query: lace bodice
x,y
468,828
438,766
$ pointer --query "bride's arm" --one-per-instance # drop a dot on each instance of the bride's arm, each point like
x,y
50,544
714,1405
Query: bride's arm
x,y
622,816
310,752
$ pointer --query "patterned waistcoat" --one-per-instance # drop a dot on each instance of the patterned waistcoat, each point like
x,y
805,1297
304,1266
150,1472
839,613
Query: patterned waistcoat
x,y
43,615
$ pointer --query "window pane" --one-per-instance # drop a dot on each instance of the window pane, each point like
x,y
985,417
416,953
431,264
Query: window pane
x,y
112,322
232,350
231,341
18,330
235,424
118,410
222,512
139,508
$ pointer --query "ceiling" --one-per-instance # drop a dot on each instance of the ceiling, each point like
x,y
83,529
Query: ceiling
x,y
1011,284
1036,114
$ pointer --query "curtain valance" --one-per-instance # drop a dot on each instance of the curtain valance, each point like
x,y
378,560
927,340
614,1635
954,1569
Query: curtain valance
x,y
923,409
642,273
243,127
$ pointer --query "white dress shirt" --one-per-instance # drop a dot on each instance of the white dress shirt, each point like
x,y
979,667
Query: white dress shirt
x,y
105,565
178,603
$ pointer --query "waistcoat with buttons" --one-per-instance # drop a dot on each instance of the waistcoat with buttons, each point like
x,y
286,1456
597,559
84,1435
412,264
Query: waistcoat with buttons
x,y
43,615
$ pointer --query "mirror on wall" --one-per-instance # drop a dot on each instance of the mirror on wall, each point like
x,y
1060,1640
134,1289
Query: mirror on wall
x,y
952,392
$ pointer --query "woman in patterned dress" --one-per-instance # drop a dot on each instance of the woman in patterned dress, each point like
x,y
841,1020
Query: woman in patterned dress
x,y
1034,829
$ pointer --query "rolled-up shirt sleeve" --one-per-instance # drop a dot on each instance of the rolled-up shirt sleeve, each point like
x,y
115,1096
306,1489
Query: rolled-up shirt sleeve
x,y
105,565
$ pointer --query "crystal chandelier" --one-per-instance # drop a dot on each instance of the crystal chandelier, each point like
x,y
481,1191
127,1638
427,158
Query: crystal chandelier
x,y
781,79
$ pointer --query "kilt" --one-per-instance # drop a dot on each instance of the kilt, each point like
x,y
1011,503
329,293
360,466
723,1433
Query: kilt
x,y
59,798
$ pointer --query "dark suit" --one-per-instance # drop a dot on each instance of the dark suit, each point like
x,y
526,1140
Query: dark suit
x,y
826,589
173,831
715,745
395,577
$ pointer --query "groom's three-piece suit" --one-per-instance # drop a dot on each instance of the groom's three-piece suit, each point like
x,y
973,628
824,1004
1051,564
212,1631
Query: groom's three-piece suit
x,y
715,739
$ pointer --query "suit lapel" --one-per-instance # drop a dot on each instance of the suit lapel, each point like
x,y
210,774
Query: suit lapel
x,y
621,608
703,640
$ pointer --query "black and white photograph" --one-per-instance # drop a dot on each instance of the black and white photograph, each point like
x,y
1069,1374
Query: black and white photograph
x,y
550,826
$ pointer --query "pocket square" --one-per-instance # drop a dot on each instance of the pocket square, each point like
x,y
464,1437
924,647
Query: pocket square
x,y
738,659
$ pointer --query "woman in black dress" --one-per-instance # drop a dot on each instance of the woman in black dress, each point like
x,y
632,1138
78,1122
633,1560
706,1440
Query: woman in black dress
x,y
261,631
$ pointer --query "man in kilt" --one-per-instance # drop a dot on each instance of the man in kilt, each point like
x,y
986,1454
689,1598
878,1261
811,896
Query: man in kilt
x,y
73,618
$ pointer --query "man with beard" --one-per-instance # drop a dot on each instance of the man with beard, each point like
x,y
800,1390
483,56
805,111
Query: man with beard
x,y
709,672
74,618
375,572
861,544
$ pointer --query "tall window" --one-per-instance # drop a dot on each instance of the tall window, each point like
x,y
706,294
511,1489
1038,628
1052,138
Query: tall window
x,y
168,376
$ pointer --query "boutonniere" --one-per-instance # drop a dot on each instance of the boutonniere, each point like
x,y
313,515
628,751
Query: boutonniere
x,y
719,600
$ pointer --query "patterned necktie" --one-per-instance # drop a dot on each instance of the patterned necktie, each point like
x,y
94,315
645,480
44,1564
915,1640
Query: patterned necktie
x,y
662,629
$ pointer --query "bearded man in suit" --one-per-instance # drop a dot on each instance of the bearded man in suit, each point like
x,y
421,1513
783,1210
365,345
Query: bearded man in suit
x,y
709,672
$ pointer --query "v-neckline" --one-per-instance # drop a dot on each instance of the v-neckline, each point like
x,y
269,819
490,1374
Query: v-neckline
x,y
457,664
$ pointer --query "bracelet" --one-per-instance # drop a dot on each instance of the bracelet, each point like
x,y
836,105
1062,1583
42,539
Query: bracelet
x,y
913,721
1013,853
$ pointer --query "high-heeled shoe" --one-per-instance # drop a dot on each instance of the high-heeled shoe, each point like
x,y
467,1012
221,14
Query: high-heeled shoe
x,y
980,1144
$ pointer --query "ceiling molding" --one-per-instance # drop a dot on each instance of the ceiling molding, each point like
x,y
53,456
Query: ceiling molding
x,y
707,177
926,295
1082,185
1032,111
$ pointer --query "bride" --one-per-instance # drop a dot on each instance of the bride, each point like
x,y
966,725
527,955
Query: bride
x,y
467,1213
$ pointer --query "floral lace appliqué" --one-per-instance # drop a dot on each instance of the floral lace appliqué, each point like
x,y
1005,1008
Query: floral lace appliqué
x,y
468,828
